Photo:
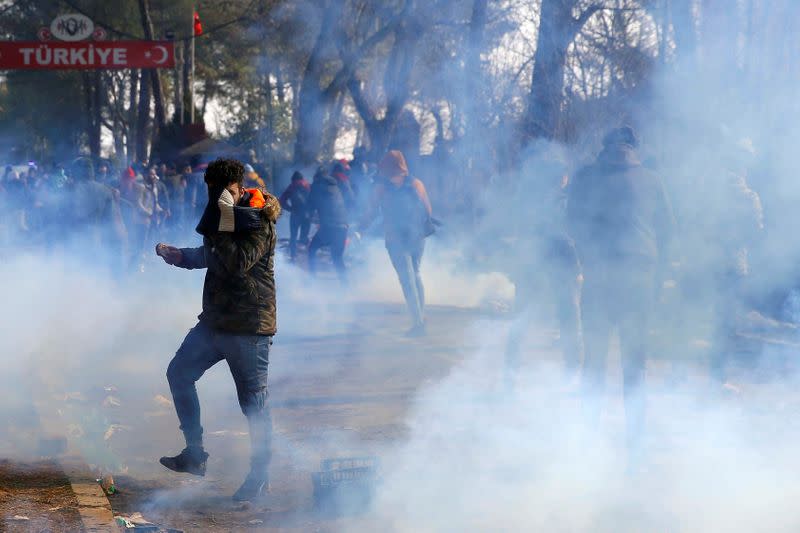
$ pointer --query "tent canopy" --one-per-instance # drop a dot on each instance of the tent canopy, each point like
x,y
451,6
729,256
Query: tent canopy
x,y
211,147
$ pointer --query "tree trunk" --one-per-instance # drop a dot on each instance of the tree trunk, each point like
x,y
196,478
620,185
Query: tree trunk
x,y
143,115
94,118
311,108
155,75
471,146
118,127
396,81
557,29
684,31
332,128
395,84
280,90
268,134
187,70
133,100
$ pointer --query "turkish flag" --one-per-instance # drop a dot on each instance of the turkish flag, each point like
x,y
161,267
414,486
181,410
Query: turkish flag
x,y
198,26
86,55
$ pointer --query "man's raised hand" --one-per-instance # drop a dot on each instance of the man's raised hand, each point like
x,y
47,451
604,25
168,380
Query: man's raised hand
x,y
170,254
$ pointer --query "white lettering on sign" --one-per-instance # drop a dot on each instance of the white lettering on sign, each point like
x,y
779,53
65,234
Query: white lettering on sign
x,y
85,55
61,56
26,55
77,56
103,54
120,56
44,55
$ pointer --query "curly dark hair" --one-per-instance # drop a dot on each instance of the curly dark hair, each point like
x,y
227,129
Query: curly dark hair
x,y
223,172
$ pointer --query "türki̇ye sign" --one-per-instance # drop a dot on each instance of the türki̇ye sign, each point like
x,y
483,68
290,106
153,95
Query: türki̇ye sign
x,y
72,50
86,55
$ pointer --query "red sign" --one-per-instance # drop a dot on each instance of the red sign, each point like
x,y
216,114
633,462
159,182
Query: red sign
x,y
86,55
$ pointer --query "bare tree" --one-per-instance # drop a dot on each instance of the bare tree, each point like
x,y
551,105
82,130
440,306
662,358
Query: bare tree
x,y
154,75
557,29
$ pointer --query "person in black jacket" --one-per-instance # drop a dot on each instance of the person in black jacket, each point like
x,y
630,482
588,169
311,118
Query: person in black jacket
x,y
621,222
295,200
550,273
238,319
327,202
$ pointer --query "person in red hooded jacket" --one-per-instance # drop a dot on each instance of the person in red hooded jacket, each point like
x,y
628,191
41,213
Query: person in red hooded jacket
x,y
339,170
406,210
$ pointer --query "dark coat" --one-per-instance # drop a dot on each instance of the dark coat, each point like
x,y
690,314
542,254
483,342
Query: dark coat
x,y
618,212
295,198
239,289
326,199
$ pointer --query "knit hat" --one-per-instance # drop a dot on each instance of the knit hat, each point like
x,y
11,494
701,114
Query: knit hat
x,y
621,135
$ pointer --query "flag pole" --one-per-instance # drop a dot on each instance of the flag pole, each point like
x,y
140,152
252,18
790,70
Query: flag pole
x,y
191,76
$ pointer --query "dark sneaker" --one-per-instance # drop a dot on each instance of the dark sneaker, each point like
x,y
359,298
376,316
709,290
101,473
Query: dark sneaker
x,y
255,487
188,462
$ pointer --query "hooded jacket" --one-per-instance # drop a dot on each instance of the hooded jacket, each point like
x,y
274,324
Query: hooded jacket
x,y
326,199
239,288
295,198
618,212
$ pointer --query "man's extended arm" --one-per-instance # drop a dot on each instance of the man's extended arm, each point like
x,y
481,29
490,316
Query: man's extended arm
x,y
192,258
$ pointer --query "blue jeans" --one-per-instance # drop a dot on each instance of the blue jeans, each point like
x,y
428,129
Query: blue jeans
x,y
406,260
617,296
298,224
247,357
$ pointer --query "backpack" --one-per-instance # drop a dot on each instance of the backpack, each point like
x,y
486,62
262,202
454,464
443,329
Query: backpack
x,y
405,214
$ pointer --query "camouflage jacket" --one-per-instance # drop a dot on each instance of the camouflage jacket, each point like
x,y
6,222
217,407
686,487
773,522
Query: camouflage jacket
x,y
239,289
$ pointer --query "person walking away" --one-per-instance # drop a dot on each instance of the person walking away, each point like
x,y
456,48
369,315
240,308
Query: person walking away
x,y
238,320
550,274
326,201
17,192
176,189
135,213
621,221
92,216
340,171
295,200
735,225
195,191
103,175
406,211
157,199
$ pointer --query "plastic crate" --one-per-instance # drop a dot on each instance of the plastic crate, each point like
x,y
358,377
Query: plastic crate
x,y
345,485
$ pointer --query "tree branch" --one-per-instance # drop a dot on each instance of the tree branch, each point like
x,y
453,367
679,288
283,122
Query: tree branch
x,y
361,104
350,59
578,23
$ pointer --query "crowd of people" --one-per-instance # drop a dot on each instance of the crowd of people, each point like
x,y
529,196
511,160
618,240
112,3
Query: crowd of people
x,y
600,244
124,212
596,243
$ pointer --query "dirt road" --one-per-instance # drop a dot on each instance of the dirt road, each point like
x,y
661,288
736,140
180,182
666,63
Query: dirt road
x,y
343,391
